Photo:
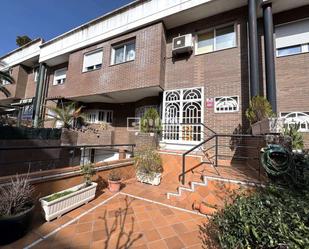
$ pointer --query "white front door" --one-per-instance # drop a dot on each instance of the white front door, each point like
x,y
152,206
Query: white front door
x,y
183,112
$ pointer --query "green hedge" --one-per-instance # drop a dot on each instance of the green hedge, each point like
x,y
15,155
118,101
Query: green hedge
x,y
15,133
271,218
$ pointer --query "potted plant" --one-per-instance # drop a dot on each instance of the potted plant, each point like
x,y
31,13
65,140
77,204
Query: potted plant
x,y
151,122
56,204
148,166
114,181
261,117
16,209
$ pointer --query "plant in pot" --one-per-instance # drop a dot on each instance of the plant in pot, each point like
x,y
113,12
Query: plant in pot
x,y
114,181
261,117
56,204
297,139
16,209
148,166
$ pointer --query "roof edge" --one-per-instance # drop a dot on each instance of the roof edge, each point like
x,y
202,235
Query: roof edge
x,y
98,19
22,47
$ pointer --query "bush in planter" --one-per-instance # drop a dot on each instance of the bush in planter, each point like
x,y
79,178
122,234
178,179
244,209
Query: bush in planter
x,y
270,218
148,166
16,209
259,109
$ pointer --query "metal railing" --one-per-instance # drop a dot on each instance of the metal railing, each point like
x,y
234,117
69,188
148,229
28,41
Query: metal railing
x,y
235,145
39,158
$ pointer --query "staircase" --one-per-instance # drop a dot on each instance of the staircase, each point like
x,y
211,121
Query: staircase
x,y
205,183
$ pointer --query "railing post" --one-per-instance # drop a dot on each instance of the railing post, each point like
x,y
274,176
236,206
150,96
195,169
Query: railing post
x,y
183,169
216,153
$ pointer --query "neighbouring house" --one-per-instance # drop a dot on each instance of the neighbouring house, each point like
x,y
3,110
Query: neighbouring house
x,y
196,61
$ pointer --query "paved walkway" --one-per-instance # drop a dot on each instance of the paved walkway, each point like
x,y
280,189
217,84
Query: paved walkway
x,y
118,221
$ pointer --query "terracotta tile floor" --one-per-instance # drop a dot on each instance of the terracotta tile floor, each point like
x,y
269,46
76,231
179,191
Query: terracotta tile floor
x,y
119,221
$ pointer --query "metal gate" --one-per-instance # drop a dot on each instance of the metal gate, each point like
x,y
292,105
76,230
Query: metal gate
x,y
183,112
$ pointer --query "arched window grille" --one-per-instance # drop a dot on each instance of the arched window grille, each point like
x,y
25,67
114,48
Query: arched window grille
x,y
182,115
226,104
292,118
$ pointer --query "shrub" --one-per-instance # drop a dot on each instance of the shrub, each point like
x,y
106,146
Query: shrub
x,y
151,121
296,136
114,176
148,161
16,197
259,109
270,218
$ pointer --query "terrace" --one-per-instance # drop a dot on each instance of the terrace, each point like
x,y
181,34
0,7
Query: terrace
x,y
140,215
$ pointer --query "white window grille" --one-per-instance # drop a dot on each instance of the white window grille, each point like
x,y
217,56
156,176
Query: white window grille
x,y
215,39
292,118
99,116
93,60
183,112
60,76
123,53
226,104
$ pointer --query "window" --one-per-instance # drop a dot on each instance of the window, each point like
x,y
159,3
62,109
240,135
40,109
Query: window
x,y
226,104
292,118
60,76
99,116
93,60
292,38
216,39
123,53
36,74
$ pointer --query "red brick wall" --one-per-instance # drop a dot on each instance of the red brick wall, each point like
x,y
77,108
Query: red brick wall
x,y
144,71
221,73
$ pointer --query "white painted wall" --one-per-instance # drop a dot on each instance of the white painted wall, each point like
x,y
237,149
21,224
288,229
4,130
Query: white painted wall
x,y
22,55
136,16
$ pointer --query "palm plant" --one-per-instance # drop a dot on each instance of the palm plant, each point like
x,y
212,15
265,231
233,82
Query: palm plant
x,y
66,114
5,77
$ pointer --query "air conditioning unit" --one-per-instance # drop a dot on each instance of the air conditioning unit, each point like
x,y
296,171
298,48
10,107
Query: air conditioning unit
x,y
182,44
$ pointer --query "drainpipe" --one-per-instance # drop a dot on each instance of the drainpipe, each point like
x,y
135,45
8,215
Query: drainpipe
x,y
253,49
39,95
269,55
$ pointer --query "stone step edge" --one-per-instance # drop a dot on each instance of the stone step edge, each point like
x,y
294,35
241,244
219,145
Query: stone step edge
x,y
212,178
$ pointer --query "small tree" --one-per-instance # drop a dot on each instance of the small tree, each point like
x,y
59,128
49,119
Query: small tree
x,y
88,172
66,114
22,40
151,121
259,109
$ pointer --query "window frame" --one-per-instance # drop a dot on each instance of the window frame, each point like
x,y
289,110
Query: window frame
x,y
303,47
226,112
95,67
96,113
214,31
55,83
284,114
120,45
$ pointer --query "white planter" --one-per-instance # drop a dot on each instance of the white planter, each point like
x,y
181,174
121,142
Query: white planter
x,y
153,179
58,207
268,126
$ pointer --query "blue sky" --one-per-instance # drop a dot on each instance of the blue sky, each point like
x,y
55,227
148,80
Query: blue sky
x,y
47,18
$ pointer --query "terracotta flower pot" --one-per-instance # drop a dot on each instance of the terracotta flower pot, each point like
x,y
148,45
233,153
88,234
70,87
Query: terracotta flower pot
x,y
203,208
114,186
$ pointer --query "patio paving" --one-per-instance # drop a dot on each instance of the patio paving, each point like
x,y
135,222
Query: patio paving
x,y
118,221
